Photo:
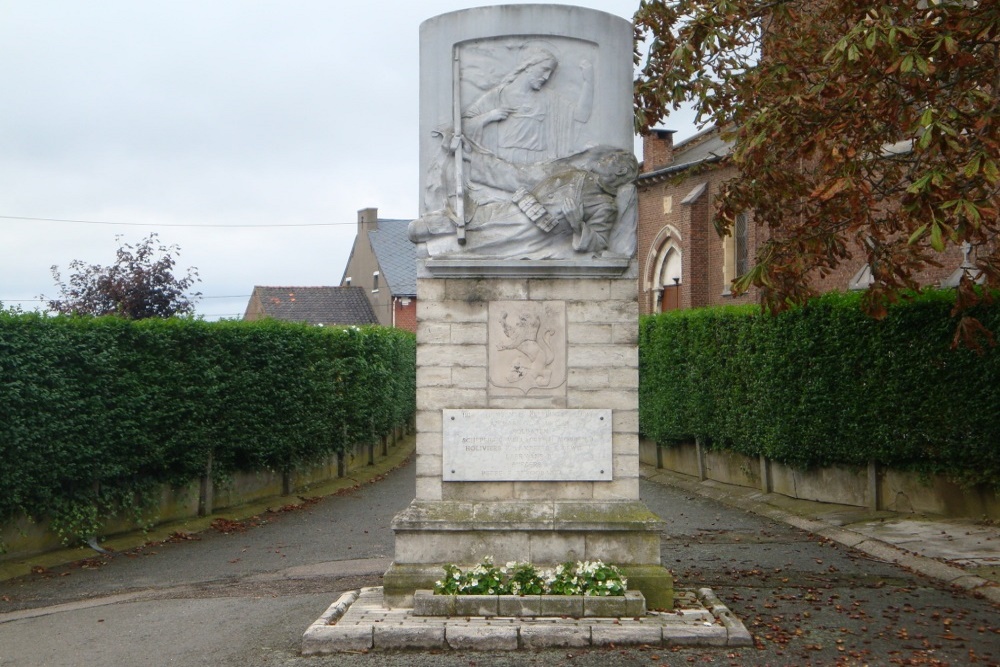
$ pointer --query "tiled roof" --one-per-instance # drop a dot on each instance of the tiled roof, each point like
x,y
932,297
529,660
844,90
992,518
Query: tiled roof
x,y
705,149
316,305
396,256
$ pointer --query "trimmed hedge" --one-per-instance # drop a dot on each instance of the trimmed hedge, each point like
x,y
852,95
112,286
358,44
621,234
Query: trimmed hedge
x,y
824,384
97,411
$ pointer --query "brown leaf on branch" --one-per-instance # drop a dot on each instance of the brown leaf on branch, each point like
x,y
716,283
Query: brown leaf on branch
x,y
858,130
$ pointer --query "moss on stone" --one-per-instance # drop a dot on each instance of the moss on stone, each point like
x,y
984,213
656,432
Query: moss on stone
x,y
613,514
655,582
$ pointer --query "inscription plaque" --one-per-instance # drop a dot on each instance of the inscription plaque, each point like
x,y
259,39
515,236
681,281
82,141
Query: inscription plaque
x,y
526,445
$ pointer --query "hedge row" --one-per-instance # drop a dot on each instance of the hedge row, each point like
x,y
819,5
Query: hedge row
x,y
94,411
824,384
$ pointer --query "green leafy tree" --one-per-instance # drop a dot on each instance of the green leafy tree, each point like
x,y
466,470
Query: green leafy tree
x,y
140,284
857,127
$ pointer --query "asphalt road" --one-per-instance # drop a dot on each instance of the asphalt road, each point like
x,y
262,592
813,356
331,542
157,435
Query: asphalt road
x,y
244,597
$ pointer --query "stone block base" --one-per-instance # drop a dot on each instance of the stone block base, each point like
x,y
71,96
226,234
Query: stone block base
x,y
698,620
431,534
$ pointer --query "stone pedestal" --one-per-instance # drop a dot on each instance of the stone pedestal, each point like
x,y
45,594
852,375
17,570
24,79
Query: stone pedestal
x,y
468,360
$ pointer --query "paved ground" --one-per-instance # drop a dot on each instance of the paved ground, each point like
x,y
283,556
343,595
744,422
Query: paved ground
x,y
245,598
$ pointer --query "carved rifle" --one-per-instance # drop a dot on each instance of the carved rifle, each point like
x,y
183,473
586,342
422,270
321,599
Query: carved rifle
x,y
458,148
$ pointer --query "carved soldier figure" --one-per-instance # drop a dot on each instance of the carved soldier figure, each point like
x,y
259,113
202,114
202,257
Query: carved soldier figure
x,y
561,209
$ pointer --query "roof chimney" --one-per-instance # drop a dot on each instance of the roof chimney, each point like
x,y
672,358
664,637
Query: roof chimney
x,y
367,220
657,149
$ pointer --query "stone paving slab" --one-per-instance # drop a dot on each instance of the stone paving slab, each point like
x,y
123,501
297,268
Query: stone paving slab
x,y
552,635
359,621
964,543
959,552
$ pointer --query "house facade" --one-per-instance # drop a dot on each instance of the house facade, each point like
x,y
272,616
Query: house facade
x,y
383,263
684,263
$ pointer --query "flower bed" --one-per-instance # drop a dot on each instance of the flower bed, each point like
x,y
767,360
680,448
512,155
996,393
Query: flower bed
x,y
581,589
589,578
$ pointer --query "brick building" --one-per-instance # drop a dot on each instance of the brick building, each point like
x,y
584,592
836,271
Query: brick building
x,y
683,263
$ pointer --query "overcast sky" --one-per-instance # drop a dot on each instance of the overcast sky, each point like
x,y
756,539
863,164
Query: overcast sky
x,y
189,118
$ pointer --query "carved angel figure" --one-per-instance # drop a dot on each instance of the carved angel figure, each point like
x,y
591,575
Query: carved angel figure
x,y
520,120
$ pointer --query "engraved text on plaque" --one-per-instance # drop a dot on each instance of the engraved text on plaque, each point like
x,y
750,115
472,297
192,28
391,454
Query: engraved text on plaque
x,y
527,445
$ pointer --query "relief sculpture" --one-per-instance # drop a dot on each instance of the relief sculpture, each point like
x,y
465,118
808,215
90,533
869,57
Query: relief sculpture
x,y
515,174
527,347
520,119
535,350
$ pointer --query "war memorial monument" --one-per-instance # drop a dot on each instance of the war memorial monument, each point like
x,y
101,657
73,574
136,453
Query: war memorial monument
x,y
527,358
527,348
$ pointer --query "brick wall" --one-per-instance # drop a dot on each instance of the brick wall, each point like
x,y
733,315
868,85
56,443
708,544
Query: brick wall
x,y
405,316
661,211
657,149
665,218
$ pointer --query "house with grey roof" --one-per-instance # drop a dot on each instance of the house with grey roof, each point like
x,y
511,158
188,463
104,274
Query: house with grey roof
x,y
383,262
326,306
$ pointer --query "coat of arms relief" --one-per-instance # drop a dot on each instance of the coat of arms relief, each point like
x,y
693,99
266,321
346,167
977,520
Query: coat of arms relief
x,y
527,348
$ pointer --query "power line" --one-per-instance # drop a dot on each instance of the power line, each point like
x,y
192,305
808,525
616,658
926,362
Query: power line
x,y
231,296
158,224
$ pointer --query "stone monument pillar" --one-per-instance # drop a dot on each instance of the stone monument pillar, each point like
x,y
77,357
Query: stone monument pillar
x,y
527,320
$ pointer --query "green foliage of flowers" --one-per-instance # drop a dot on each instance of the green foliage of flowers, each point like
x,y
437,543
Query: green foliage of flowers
x,y
483,579
580,578
524,579
825,384
585,578
98,412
